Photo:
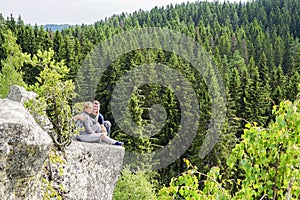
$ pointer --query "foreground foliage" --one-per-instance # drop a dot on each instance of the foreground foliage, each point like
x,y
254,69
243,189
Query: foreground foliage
x,y
136,185
266,164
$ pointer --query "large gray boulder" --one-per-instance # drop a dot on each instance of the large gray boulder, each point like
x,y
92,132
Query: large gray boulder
x,y
24,146
89,171
92,170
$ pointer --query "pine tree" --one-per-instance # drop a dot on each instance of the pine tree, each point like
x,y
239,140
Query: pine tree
x,y
86,80
279,49
292,86
11,71
245,100
70,58
59,46
277,84
257,100
264,75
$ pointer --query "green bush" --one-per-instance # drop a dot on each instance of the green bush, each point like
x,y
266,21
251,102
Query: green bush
x,y
134,186
268,159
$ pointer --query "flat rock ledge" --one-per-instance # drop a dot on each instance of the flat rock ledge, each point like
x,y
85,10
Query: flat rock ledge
x,y
92,170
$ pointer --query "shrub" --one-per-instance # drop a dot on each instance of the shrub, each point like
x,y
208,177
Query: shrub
x,y
136,185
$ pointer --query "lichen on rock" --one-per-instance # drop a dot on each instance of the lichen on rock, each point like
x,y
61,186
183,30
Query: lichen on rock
x,y
24,147
82,171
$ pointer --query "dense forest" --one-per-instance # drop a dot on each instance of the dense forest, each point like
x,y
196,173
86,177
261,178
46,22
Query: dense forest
x,y
255,47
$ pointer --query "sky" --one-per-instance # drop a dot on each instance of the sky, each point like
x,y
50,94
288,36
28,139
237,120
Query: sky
x,y
42,12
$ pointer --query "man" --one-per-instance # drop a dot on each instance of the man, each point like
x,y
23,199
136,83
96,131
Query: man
x,y
105,125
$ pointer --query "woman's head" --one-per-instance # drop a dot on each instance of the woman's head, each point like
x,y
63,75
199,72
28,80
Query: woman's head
x,y
88,107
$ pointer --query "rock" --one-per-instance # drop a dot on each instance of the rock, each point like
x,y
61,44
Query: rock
x,y
24,147
19,94
92,170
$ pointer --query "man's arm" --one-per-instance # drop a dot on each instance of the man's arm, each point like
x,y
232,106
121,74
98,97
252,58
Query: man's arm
x,y
101,122
100,119
103,129
79,117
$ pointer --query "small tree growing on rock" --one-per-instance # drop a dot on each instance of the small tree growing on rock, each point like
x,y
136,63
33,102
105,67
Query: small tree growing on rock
x,y
57,92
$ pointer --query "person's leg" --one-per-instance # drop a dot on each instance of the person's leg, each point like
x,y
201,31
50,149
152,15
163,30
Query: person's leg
x,y
107,139
111,141
95,137
96,127
107,125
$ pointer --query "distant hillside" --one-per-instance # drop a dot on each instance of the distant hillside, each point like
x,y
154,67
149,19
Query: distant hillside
x,y
56,27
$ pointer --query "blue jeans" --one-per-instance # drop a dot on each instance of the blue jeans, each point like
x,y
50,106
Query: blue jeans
x,y
107,125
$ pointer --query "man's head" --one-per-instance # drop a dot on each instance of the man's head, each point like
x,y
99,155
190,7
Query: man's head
x,y
96,107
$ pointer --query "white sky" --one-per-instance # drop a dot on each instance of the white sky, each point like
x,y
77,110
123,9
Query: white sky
x,y
44,12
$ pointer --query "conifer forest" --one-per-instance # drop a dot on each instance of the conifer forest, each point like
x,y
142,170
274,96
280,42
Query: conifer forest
x,y
255,51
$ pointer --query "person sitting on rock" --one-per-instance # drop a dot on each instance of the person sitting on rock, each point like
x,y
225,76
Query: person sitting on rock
x,y
105,124
91,129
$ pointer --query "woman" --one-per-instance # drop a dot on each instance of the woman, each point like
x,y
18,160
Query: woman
x,y
91,130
